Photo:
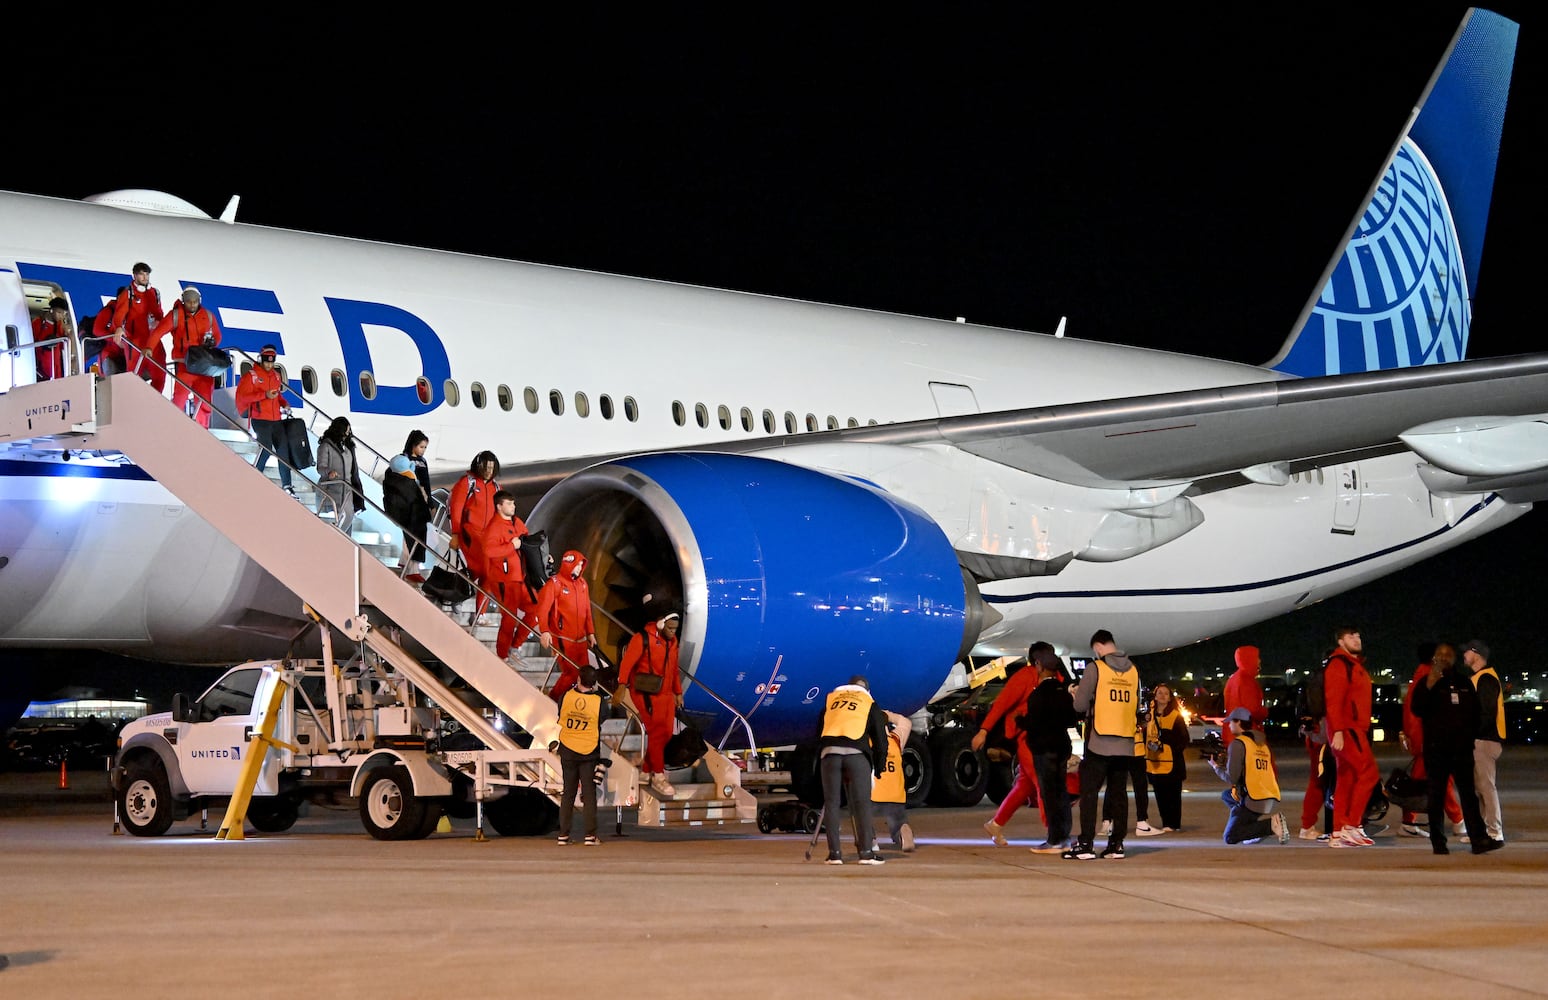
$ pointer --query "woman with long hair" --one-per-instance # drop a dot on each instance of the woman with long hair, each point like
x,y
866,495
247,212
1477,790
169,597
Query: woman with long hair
x,y
1166,740
337,472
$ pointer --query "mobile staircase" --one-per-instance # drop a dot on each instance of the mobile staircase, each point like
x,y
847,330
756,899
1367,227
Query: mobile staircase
x,y
347,587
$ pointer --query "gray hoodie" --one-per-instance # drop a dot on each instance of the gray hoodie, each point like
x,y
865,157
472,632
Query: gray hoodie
x,y
1107,746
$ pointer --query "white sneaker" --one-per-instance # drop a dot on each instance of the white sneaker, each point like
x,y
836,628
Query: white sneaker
x,y
996,833
1281,828
1144,829
1354,836
1414,830
661,786
1308,833
906,838
1106,829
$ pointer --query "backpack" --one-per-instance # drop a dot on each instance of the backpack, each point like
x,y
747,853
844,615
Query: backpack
x,y
1310,700
536,563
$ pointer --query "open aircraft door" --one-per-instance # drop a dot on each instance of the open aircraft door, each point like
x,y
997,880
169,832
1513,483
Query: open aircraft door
x,y
18,367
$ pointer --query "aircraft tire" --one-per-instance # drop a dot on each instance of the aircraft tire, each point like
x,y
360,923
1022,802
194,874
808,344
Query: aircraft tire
x,y
960,772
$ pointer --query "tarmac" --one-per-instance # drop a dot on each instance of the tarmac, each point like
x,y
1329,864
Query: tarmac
x,y
325,911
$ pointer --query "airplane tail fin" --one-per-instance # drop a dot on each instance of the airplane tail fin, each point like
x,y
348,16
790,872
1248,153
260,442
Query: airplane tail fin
x,y
1399,293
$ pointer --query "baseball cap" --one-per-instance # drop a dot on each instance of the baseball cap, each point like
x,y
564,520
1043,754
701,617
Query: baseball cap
x,y
1477,646
1238,714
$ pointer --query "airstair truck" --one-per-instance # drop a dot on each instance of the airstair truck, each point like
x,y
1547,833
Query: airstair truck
x,y
354,730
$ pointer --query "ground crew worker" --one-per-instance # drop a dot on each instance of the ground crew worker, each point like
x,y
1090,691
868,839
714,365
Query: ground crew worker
x,y
260,397
854,746
649,670
51,359
503,574
580,750
190,323
564,620
889,796
1254,792
1491,735
137,310
1108,694
472,510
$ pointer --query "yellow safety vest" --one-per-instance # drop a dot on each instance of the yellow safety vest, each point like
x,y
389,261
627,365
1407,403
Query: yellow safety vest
x,y
1258,770
889,787
1115,709
1499,704
848,709
580,718
1159,761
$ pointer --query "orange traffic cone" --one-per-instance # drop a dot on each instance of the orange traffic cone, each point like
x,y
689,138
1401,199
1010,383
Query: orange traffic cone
x,y
64,774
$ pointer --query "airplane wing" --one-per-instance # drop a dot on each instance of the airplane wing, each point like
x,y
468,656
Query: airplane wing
x,y
1141,442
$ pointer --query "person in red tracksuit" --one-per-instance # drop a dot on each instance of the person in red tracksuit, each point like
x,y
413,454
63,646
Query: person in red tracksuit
x,y
653,651
1347,691
190,323
260,397
51,359
136,311
1242,690
472,511
564,620
506,579
1006,712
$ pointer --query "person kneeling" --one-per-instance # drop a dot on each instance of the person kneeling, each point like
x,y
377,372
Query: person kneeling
x,y
1254,792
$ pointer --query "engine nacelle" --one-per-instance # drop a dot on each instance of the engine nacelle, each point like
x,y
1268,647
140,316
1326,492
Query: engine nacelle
x,y
791,581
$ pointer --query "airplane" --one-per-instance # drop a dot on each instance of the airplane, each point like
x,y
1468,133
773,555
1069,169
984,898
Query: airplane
x,y
814,524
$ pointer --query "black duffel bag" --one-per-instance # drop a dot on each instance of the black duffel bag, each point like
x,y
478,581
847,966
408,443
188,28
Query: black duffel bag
x,y
446,586
206,360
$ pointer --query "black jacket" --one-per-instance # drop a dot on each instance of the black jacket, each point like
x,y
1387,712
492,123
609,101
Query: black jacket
x,y
1449,725
1050,714
404,503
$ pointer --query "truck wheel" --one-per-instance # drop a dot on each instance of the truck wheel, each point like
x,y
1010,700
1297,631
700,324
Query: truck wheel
x,y
960,771
916,771
389,809
273,813
523,812
145,802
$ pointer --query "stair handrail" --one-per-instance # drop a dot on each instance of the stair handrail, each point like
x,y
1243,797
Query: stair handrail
x,y
738,716
71,357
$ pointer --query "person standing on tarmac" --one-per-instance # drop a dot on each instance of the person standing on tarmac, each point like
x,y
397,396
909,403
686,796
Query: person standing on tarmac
x,y
1166,742
1491,735
472,511
1413,742
504,574
260,397
649,671
1007,711
190,323
1108,694
1446,704
1347,691
1242,690
580,728
136,310
854,747
564,620
1050,714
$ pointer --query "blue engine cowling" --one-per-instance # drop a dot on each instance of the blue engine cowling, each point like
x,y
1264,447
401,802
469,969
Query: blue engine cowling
x,y
791,582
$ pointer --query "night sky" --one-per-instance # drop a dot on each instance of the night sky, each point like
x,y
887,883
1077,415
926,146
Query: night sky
x,y
1177,179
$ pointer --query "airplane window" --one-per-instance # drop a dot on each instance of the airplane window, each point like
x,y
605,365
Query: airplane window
x,y
453,394
811,421
724,412
507,401
336,379
280,371
556,402
701,413
476,393
679,415
747,420
768,421
632,409
790,422
853,422
247,366
308,379
871,422
368,385
529,397
832,422
582,405
422,389
1319,476
605,404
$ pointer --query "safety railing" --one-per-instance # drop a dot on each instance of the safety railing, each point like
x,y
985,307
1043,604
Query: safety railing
x,y
13,353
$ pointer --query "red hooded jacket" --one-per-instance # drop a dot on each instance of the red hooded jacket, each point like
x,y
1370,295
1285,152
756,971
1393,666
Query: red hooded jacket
x,y
1242,690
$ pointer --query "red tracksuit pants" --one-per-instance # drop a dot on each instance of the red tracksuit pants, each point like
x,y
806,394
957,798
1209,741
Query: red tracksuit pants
x,y
1023,789
570,656
1357,778
657,712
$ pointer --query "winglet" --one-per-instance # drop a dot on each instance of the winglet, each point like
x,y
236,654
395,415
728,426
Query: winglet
x,y
1399,294
229,215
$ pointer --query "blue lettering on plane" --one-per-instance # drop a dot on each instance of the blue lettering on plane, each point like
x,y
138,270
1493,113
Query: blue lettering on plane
x,y
90,290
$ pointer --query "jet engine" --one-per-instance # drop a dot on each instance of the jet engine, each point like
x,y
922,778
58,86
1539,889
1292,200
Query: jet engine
x,y
790,582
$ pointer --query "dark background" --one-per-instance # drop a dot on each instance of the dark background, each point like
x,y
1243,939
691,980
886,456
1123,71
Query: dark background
x,y
1176,179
